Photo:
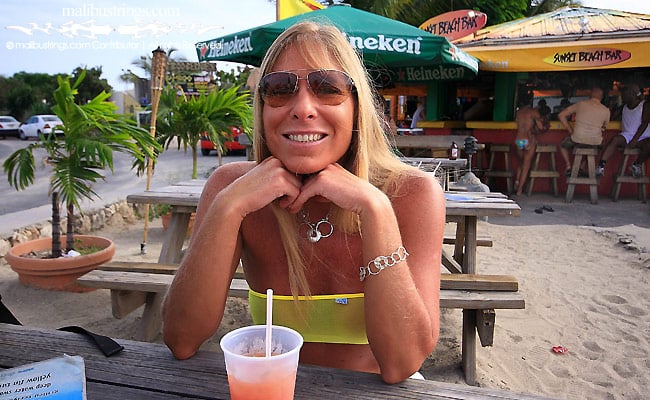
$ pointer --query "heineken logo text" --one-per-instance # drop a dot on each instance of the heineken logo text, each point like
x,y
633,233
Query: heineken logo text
x,y
383,43
437,73
223,48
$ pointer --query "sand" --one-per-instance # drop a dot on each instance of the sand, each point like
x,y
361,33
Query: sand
x,y
584,276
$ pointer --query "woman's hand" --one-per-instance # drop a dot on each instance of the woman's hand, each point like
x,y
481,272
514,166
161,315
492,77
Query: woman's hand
x,y
337,185
260,186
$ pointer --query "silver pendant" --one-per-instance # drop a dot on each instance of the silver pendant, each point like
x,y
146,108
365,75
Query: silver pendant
x,y
314,235
319,230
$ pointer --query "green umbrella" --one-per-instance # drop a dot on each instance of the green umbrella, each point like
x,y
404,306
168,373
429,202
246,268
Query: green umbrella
x,y
397,51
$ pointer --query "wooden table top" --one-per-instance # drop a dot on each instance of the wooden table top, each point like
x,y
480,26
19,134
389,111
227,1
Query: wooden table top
x,y
149,371
477,204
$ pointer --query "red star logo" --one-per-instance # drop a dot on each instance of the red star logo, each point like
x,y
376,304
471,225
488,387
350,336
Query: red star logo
x,y
452,51
204,49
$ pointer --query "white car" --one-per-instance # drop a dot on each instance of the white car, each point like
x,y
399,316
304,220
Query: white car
x,y
8,126
38,125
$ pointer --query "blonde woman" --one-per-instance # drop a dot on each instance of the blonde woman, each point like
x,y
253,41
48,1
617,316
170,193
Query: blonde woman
x,y
347,236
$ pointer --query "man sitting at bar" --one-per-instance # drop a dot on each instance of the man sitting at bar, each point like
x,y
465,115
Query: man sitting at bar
x,y
635,130
591,118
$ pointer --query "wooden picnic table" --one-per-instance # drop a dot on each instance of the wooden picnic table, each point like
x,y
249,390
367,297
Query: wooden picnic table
x,y
148,371
464,208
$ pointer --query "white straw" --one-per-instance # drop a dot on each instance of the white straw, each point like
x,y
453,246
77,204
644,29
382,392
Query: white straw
x,y
269,320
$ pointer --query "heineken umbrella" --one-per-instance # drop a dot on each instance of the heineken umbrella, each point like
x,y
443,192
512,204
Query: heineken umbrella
x,y
406,53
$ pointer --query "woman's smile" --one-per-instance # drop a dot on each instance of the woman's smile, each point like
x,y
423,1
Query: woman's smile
x,y
305,138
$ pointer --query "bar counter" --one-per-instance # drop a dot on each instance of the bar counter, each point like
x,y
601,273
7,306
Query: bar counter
x,y
504,132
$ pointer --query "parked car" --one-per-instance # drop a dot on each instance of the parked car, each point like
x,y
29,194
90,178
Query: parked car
x,y
232,146
8,126
38,125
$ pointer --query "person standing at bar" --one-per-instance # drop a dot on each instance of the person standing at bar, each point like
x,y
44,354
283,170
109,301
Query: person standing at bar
x,y
418,115
529,121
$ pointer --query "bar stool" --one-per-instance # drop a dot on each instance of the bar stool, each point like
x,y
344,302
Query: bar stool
x,y
590,153
507,173
621,177
551,173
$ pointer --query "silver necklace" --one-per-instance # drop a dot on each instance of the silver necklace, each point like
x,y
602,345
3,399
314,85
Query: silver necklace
x,y
318,230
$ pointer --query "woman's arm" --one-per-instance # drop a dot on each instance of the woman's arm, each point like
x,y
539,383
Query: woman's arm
x,y
194,305
401,302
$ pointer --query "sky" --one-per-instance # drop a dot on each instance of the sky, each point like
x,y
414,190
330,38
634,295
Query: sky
x,y
57,36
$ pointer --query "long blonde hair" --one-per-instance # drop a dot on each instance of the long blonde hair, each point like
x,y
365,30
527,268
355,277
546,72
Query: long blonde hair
x,y
369,156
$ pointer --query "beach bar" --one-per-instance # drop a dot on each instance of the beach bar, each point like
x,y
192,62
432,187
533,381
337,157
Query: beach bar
x,y
557,57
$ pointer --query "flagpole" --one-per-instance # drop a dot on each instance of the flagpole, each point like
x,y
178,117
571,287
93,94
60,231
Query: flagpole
x,y
277,10
158,63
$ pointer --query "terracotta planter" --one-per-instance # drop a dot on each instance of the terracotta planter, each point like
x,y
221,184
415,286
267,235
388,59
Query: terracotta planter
x,y
166,219
58,273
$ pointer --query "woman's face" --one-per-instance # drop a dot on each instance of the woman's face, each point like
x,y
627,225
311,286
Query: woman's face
x,y
305,134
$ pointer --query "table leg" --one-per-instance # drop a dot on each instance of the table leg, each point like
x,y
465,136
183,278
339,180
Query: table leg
x,y
174,239
459,246
469,257
469,346
469,316
151,321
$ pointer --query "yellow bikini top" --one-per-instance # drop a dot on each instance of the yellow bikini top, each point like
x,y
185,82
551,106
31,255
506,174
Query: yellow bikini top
x,y
337,318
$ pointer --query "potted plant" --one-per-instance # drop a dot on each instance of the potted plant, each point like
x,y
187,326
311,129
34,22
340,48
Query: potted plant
x,y
164,211
79,151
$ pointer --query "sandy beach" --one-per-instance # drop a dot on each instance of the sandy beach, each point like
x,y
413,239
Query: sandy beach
x,y
583,270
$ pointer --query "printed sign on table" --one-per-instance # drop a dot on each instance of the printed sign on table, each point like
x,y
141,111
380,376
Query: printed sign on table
x,y
57,378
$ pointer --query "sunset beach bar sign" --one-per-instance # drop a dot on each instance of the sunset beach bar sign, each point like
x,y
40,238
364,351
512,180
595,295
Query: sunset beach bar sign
x,y
582,55
455,24
588,58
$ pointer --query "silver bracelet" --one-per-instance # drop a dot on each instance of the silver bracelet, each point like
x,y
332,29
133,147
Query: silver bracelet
x,y
380,263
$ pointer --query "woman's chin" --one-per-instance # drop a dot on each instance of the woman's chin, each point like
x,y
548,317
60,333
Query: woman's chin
x,y
304,169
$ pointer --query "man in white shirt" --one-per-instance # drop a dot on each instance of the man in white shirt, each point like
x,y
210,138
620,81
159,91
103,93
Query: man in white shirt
x,y
418,115
635,130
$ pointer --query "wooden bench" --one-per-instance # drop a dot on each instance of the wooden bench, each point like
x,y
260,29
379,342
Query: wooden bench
x,y
134,284
482,240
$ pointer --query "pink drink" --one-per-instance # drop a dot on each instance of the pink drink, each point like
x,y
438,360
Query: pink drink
x,y
277,385
251,375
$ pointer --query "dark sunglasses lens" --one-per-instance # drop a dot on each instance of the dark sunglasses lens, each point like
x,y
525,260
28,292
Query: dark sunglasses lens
x,y
278,87
331,87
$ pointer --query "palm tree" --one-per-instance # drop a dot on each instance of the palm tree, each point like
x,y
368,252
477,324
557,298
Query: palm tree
x,y
144,63
79,150
186,118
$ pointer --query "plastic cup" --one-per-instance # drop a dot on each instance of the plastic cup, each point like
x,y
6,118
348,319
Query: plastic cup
x,y
251,375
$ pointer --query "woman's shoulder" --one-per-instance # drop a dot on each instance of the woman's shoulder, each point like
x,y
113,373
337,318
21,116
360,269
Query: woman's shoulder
x,y
234,168
413,182
227,173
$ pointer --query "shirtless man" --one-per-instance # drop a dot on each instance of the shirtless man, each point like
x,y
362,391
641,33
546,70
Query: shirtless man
x,y
529,121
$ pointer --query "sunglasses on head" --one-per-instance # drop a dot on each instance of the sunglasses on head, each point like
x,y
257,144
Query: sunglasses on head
x,y
330,86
